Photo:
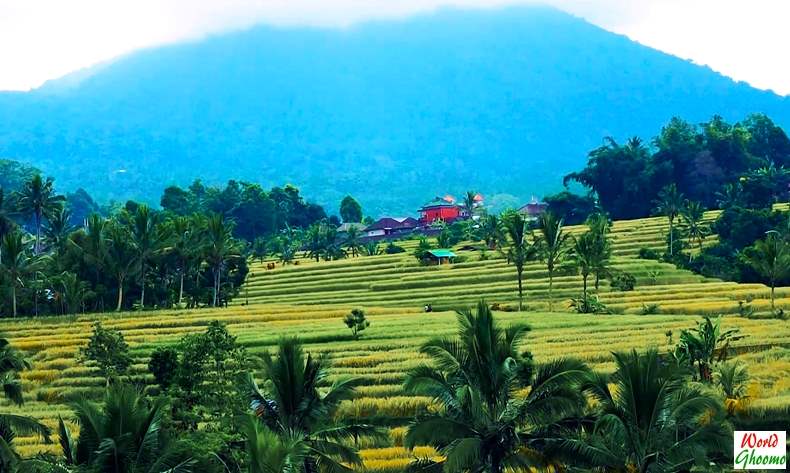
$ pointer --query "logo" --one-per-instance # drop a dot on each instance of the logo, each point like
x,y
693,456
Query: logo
x,y
760,450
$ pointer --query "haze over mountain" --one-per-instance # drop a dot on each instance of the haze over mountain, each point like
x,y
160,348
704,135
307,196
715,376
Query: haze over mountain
x,y
394,112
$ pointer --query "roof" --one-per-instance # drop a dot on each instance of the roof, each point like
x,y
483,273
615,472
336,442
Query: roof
x,y
393,223
348,225
439,202
442,253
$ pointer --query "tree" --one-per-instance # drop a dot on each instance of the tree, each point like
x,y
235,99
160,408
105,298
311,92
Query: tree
x,y
7,225
163,365
350,210
649,418
352,242
552,245
769,257
371,248
184,240
600,225
38,199
356,321
670,204
268,452
147,241
73,291
121,257
520,250
584,255
291,406
17,263
491,231
108,350
12,363
469,203
124,435
260,249
219,248
58,228
483,425
692,215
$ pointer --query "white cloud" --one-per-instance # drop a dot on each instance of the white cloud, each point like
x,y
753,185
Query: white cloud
x,y
43,39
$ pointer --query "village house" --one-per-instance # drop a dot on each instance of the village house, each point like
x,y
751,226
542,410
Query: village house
x,y
438,257
533,209
442,208
389,226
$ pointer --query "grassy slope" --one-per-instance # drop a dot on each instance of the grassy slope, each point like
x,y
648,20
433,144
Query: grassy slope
x,y
309,300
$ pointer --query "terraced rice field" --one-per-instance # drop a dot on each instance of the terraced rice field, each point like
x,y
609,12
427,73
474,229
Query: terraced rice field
x,y
399,281
309,301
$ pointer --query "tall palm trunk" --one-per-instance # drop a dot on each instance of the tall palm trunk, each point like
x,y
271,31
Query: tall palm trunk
x,y
584,287
13,300
551,283
520,270
773,303
38,232
181,288
671,236
142,286
120,295
217,270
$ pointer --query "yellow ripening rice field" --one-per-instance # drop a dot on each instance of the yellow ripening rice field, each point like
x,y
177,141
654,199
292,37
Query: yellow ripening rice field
x,y
379,358
309,300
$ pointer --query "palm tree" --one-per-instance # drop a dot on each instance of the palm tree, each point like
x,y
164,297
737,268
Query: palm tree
x,y
482,424
7,225
600,225
650,418
291,406
124,435
352,241
268,452
17,264
58,228
584,255
147,239
182,245
121,257
552,244
670,203
315,241
371,248
219,248
769,257
469,202
731,195
692,215
703,345
11,364
491,231
520,250
38,199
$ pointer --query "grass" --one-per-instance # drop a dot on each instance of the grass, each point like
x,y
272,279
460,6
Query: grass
x,y
310,300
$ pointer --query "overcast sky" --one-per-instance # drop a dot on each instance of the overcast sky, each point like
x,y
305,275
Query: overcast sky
x,y
748,40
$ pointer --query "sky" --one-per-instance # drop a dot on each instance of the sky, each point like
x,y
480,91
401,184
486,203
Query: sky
x,y
748,40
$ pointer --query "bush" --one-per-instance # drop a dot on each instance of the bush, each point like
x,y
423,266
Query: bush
x,y
393,249
164,366
624,282
109,351
588,305
650,309
649,253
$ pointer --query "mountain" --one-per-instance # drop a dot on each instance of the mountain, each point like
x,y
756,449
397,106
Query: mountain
x,y
502,101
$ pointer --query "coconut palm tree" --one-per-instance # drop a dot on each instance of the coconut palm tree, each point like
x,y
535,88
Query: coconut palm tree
x,y
491,231
11,364
7,225
121,257
519,250
552,244
469,202
72,291
600,225
482,424
58,228
268,452
670,204
692,215
584,255
124,435
650,418
771,258
352,241
218,248
17,263
147,239
38,199
291,405
183,243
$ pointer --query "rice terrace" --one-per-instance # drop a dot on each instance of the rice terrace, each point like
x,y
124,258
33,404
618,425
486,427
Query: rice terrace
x,y
445,236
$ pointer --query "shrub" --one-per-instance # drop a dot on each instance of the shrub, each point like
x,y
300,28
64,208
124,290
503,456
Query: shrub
x,y
356,321
423,247
393,249
649,253
163,365
108,350
650,309
745,309
588,305
624,282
